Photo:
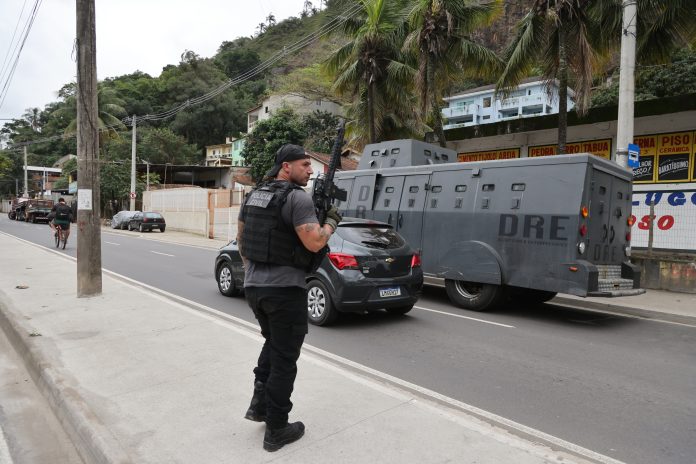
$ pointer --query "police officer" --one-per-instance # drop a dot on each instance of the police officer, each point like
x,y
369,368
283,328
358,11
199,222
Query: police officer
x,y
279,238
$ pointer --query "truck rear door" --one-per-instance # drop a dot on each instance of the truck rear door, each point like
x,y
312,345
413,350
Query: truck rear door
x,y
609,208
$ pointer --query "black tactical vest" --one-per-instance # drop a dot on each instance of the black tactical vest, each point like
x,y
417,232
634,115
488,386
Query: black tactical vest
x,y
266,238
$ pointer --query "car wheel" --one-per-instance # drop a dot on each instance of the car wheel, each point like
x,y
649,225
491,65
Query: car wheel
x,y
225,280
141,228
400,309
161,228
320,308
474,296
530,295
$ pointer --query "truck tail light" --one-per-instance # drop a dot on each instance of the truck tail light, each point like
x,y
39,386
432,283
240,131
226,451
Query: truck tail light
x,y
584,211
416,260
343,261
631,220
583,230
628,236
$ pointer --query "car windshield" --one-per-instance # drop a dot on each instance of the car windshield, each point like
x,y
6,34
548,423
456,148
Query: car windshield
x,y
153,215
371,237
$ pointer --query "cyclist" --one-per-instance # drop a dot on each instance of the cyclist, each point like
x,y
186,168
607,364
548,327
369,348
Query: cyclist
x,y
60,215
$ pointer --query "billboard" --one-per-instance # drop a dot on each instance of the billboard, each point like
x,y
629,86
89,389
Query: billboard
x,y
666,158
674,222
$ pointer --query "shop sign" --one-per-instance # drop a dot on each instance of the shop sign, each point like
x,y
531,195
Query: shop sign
x,y
508,153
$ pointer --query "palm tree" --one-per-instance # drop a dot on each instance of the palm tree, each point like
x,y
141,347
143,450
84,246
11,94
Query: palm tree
x,y
663,26
440,38
110,108
369,68
562,36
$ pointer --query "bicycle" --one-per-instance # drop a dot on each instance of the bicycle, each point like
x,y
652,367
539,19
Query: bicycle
x,y
60,237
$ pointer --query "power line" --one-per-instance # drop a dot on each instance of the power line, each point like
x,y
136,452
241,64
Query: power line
x,y
14,34
326,29
27,29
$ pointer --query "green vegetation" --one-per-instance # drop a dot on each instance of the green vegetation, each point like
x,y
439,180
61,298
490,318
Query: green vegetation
x,y
389,65
315,131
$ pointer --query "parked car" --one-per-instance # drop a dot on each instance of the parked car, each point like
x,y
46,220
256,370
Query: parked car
x,y
369,267
146,221
120,219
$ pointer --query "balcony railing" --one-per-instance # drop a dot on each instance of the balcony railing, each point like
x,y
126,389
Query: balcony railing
x,y
527,100
459,111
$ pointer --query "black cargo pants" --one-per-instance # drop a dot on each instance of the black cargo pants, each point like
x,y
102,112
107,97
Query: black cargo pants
x,y
282,315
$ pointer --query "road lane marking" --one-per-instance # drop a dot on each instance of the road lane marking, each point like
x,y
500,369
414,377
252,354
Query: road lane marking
x,y
465,317
112,243
163,254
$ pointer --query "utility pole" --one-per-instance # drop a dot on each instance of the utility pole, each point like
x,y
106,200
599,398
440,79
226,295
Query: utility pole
x,y
147,176
89,274
26,175
624,132
132,188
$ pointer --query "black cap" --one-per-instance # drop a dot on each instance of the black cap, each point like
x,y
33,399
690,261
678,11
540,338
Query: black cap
x,y
285,154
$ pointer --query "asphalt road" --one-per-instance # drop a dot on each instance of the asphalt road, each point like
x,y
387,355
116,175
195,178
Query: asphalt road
x,y
620,386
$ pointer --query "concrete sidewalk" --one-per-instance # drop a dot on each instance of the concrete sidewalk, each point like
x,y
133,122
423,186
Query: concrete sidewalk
x,y
135,377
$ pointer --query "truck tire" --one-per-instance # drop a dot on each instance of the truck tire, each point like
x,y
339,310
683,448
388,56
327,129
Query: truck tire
x,y
530,295
474,296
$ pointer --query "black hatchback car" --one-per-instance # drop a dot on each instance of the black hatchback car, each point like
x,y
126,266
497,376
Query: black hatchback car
x,y
147,221
369,267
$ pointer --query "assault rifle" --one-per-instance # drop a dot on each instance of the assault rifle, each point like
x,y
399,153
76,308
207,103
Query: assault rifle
x,y
325,191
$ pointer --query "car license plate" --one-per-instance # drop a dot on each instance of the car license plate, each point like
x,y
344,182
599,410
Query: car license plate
x,y
387,292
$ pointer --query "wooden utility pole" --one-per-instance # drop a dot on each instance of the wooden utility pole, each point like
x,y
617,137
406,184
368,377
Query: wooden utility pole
x,y
89,275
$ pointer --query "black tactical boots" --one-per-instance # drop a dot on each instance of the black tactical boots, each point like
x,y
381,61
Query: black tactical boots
x,y
274,439
257,408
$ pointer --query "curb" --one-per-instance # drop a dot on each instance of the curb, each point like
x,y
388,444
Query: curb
x,y
211,246
612,308
93,441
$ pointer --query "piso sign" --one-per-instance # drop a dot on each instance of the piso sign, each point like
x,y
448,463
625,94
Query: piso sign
x,y
666,158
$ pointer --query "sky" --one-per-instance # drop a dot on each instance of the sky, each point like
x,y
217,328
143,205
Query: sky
x,y
132,35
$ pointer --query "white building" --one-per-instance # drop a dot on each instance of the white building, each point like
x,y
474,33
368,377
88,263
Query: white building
x,y
297,103
480,105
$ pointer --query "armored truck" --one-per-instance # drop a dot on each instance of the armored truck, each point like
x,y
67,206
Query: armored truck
x,y
525,228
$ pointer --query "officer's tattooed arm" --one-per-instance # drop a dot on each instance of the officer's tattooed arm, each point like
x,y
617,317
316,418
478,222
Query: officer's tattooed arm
x,y
240,229
313,236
